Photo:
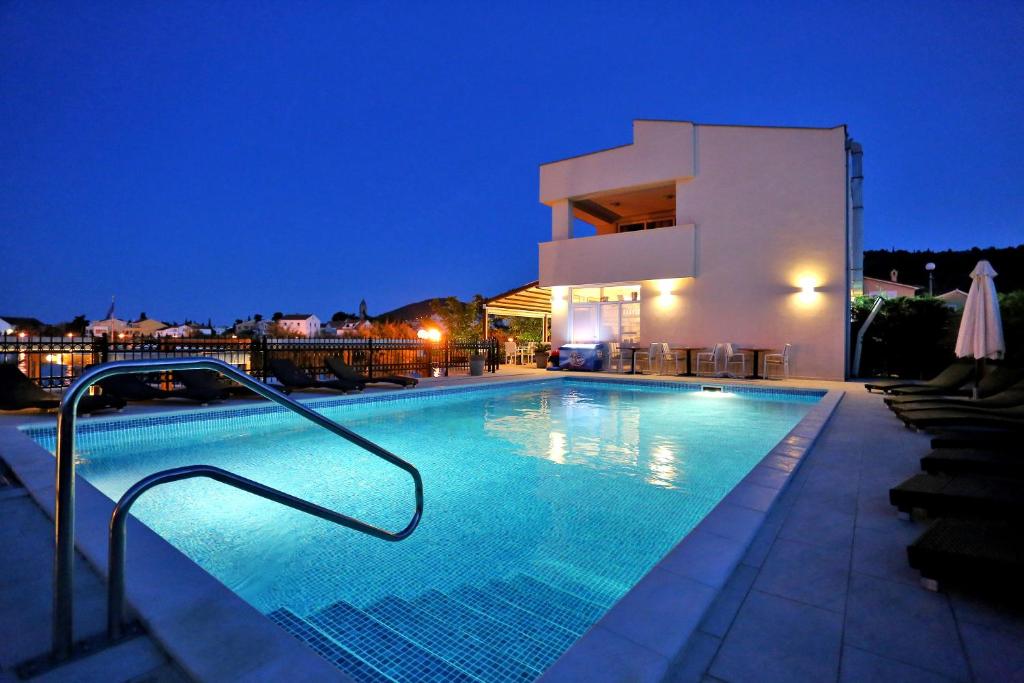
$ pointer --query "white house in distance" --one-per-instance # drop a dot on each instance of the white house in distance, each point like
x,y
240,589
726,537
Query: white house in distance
x,y
302,324
696,234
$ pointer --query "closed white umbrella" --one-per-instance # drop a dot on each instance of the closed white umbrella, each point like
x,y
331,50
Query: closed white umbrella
x,y
981,328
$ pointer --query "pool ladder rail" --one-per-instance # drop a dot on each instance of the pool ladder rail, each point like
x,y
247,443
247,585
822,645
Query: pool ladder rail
x,y
63,608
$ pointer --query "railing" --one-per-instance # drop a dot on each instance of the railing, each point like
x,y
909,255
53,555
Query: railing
x,y
63,608
55,362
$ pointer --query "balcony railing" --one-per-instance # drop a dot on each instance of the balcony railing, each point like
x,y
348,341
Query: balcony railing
x,y
623,257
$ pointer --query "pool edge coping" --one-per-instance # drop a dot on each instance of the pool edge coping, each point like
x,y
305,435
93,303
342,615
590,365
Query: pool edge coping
x,y
645,632
197,643
203,626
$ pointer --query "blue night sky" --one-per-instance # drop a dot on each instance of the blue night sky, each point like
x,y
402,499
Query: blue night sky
x,y
221,159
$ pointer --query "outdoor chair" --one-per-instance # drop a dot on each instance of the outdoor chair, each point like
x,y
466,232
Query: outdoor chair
x,y
734,359
983,554
131,387
292,378
346,373
642,357
204,386
974,461
18,392
708,362
1002,418
1010,398
511,352
615,357
995,384
949,380
669,356
779,361
960,496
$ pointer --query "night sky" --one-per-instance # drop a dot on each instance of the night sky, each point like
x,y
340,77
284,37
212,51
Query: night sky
x,y
221,159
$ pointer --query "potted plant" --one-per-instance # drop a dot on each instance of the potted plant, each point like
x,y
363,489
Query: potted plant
x,y
541,355
476,364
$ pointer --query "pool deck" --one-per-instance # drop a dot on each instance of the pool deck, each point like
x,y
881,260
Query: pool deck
x,y
822,592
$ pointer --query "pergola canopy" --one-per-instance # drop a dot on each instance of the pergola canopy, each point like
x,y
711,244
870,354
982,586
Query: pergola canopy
x,y
527,301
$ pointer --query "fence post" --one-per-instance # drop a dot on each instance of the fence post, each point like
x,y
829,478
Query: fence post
x,y
102,348
369,361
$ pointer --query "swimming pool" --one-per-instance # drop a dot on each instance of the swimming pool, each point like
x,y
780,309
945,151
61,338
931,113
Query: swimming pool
x,y
545,503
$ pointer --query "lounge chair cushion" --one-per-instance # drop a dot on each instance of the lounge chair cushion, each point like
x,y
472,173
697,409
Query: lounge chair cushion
x,y
987,554
960,496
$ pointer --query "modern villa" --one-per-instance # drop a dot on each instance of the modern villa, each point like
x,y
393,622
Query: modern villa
x,y
698,234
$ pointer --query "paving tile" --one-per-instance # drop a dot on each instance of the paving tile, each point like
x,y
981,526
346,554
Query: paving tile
x,y
733,521
905,623
884,553
723,610
762,543
859,666
694,660
994,655
807,573
774,639
992,613
808,523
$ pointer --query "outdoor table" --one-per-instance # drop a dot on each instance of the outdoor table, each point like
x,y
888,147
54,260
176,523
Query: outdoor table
x,y
755,374
689,358
632,348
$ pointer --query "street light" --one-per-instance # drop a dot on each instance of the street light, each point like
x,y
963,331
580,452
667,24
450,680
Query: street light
x,y
930,267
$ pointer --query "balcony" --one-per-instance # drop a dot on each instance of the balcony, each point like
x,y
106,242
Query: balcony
x,y
622,257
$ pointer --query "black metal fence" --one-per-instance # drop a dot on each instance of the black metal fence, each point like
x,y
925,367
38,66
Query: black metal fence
x,y
55,362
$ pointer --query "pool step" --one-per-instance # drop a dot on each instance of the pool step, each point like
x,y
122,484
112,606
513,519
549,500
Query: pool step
x,y
326,647
498,637
508,630
536,597
384,649
445,639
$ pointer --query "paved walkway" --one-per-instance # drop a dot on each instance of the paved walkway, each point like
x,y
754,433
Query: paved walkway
x,y
825,592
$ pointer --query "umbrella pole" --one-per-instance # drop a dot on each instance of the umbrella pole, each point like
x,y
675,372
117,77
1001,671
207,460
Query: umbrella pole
x,y
979,369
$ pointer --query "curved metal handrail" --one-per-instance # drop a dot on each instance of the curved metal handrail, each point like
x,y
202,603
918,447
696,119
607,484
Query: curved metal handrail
x,y
64,512
119,520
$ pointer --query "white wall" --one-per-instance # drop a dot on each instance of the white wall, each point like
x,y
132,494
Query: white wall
x,y
769,206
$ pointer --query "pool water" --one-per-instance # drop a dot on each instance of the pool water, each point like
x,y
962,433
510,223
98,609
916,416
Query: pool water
x,y
544,503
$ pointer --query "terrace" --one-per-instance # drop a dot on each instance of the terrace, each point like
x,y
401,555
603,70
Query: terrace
x,y
821,590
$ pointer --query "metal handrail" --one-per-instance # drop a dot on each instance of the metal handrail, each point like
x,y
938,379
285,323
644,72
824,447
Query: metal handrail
x,y
64,512
119,519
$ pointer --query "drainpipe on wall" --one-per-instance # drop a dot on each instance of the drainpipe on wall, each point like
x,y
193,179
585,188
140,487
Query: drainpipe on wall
x,y
856,240
855,368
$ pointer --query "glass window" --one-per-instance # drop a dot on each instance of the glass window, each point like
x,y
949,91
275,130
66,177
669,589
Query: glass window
x,y
585,294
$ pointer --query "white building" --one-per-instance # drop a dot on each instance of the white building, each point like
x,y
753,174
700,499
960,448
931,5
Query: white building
x,y
695,234
302,324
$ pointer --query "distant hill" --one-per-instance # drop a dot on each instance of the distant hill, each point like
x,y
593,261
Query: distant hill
x,y
416,311
952,268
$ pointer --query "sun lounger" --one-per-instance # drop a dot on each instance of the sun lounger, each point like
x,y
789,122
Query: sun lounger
x,y
979,553
947,381
18,392
292,378
995,384
1010,398
347,373
974,461
978,437
960,496
1003,418
203,385
132,388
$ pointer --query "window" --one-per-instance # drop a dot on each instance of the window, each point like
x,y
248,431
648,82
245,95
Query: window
x,y
647,224
609,314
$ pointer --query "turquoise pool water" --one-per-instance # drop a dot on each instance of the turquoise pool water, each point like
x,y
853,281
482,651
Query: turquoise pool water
x,y
545,503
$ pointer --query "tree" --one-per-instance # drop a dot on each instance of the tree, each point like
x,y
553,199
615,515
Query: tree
x,y
277,316
142,316
257,317
462,320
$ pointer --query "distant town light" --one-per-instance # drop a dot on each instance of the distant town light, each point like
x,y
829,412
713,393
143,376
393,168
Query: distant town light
x,y
22,335
10,330
432,334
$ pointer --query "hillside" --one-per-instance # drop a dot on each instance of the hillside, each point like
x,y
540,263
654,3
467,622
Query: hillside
x,y
952,268
414,311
